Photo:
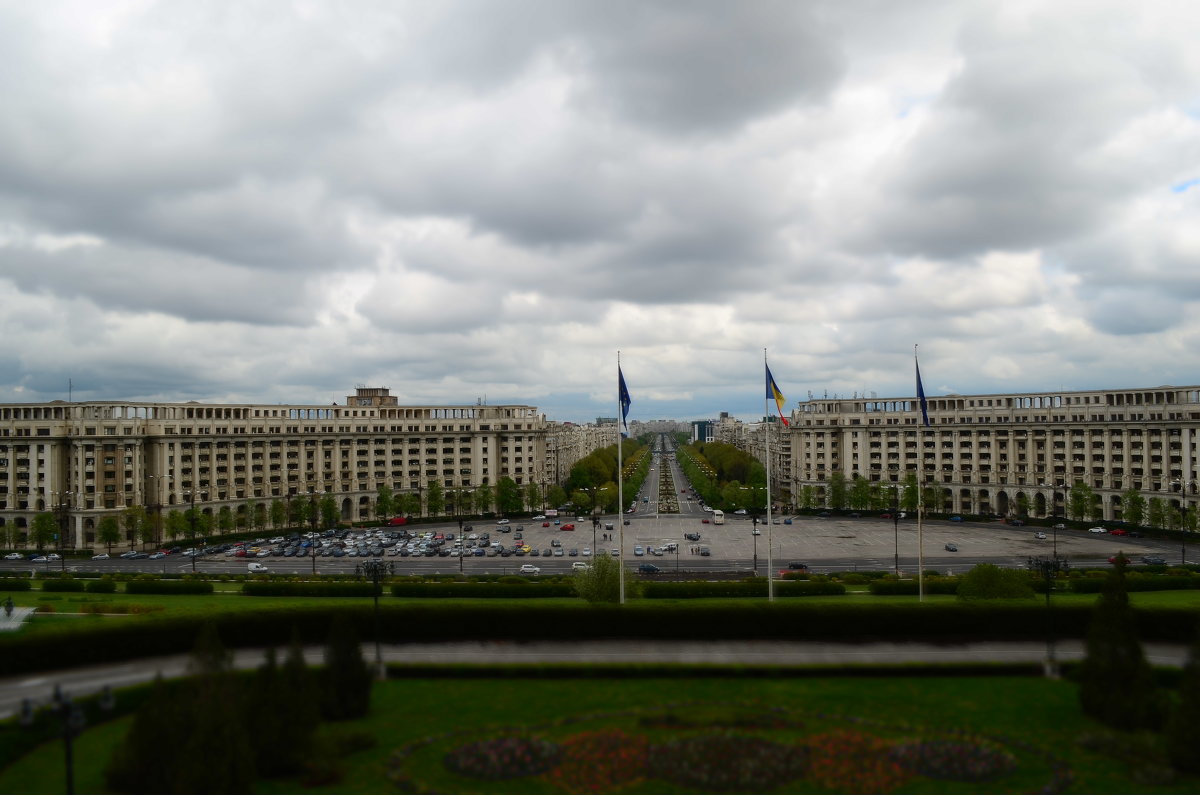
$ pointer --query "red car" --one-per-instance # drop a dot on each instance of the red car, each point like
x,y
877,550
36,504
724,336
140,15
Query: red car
x,y
704,521
1118,532
545,524
396,521
567,527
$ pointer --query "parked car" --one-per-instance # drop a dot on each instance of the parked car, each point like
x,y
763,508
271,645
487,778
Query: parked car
x,y
13,556
1097,530
951,548
956,518
529,568
1119,532
1039,535
501,521
1153,560
1060,526
639,551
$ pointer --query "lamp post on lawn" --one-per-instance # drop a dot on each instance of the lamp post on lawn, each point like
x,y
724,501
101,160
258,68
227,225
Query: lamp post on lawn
x,y
896,524
73,720
754,535
1049,569
377,570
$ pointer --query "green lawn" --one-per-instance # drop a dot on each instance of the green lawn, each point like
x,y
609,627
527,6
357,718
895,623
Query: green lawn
x,y
1042,714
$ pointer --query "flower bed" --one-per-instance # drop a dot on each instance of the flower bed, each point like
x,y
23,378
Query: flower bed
x,y
717,748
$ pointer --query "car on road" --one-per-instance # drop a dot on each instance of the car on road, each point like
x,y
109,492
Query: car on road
x,y
1040,536
1016,523
956,518
157,556
704,521
567,527
951,548
39,559
798,566
648,568
539,517
692,536
1119,532
756,532
1119,556
101,556
639,551
256,568
501,521
1097,530
529,568
740,512
1154,560
13,556
579,565
787,521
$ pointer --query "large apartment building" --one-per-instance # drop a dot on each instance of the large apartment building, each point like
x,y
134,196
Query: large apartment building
x,y
989,454
88,460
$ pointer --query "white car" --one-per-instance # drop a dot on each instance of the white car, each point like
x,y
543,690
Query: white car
x,y
539,517
256,568
529,568
579,565
1040,536
14,556
586,552
1097,530
501,521
101,556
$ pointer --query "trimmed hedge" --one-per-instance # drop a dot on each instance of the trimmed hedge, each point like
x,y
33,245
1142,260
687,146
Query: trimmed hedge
x,y
101,586
483,590
270,588
15,584
71,586
743,589
1138,582
88,643
933,585
168,587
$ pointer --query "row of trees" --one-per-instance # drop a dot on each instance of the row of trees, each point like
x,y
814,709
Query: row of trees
x,y
137,524
592,483
724,476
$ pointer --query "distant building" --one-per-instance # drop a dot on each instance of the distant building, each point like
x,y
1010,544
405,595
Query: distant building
x,y
94,459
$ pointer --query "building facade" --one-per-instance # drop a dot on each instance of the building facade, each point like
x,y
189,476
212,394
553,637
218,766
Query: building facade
x,y
989,454
88,460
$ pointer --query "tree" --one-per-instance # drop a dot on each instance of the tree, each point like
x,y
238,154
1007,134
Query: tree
x,y
225,519
148,530
108,532
435,498
176,524
1133,507
282,713
43,530
1022,504
533,496
278,513
252,513
808,497
408,504
508,496
600,582
484,499
555,495
986,581
860,493
160,724
133,517
1156,512
385,501
908,502
329,511
1116,685
1181,727
837,491
346,688
1082,498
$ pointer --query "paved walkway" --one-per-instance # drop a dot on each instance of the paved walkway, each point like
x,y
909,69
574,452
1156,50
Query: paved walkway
x,y
84,681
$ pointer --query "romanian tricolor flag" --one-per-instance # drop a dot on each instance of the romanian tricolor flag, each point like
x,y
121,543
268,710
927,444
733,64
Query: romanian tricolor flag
x,y
773,393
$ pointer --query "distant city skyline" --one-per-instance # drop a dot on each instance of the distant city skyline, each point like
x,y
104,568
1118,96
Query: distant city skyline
x,y
231,202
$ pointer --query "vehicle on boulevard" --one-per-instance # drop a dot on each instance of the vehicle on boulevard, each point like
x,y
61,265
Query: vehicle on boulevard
x,y
579,565
14,556
101,556
1040,536
951,548
718,517
529,568
1097,530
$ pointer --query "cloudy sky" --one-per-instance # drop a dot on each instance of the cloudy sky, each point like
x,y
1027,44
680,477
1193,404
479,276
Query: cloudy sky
x,y
277,201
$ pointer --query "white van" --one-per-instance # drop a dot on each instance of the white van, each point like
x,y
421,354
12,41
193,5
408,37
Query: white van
x,y
256,568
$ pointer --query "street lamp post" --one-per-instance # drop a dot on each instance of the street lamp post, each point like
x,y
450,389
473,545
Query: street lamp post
x,y
377,570
72,717
192,526
1049,569
896,524
754,535
64,522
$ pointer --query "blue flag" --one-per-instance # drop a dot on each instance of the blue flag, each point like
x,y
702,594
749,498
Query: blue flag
x,y
921,396
623,398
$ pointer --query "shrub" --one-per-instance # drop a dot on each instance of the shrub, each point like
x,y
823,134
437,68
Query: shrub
x,y
14,584
986,581
140,586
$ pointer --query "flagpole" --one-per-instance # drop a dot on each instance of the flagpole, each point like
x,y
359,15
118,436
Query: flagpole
x,y
620,488
767,452
920,484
